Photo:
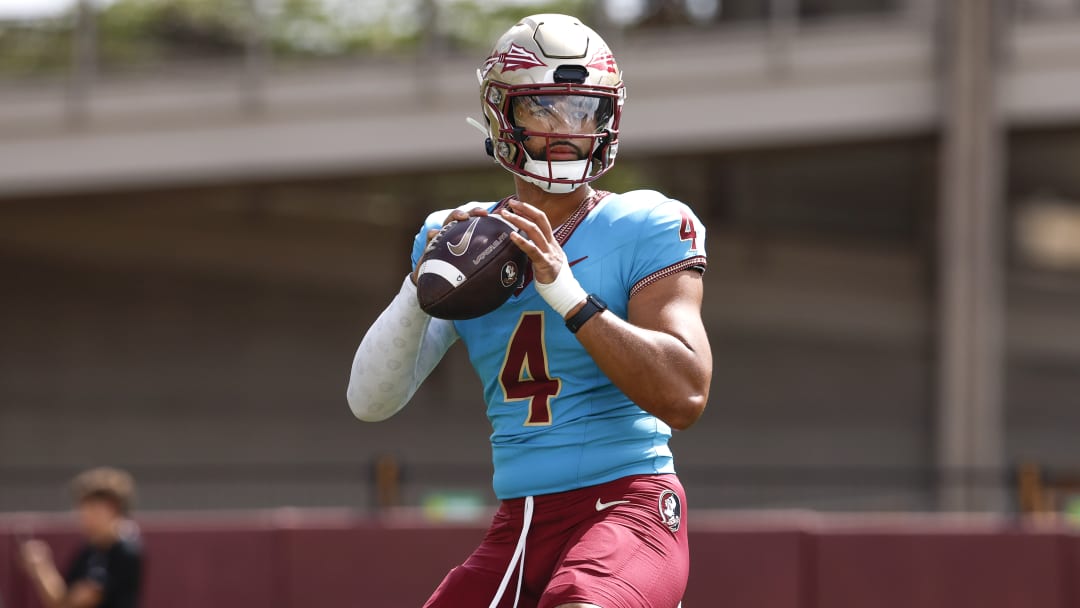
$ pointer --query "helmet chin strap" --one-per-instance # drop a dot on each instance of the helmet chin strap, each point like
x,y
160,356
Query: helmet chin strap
x,y
563,169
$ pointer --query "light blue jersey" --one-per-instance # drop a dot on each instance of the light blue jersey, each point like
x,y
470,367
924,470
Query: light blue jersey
x,y
559,423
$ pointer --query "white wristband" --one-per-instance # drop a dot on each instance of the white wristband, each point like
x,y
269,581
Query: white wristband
x,y
564,293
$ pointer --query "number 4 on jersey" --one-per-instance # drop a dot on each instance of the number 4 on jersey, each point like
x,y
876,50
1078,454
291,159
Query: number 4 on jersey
x,y
525,375
687,231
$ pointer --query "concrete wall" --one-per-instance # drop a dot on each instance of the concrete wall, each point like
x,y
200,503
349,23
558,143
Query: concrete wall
x,y
203,340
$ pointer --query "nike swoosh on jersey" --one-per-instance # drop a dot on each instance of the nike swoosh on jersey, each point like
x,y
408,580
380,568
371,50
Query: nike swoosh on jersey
x,y
581,259
462,245
600,506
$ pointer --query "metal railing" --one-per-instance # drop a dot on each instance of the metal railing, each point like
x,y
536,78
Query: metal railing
x,y
248,39
245,44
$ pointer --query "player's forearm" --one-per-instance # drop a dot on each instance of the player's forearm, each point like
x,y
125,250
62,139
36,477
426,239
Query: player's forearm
x,y
397,353
657,371
50,585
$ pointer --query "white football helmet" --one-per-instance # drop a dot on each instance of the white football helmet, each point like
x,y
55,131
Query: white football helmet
x,y
556,74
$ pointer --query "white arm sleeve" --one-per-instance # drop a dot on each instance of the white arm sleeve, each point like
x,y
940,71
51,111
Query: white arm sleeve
x,y
398,351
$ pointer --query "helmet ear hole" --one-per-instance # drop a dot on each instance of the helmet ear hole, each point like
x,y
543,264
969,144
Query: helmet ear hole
x,y
489,147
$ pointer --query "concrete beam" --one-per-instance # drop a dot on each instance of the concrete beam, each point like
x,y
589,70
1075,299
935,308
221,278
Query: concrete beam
x,y
686,92
970,429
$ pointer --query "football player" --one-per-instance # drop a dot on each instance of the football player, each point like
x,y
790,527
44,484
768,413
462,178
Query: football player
x,y
588,367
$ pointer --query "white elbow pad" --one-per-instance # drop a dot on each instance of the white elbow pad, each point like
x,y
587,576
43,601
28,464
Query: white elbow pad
x,y
399,350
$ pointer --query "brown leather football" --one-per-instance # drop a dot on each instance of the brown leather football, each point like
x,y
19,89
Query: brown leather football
x,y
469,269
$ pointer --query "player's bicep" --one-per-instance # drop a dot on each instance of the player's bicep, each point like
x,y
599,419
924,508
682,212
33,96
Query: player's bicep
x,y
672,305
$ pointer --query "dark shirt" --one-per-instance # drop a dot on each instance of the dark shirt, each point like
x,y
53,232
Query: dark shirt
x,y
118,570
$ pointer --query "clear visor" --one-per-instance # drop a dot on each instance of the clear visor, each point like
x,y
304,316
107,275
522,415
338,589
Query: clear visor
x,y
563,114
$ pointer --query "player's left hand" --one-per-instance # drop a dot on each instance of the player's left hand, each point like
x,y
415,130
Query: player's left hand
x,y
545,253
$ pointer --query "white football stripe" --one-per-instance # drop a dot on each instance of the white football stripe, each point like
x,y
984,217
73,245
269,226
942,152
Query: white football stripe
x,y
444,269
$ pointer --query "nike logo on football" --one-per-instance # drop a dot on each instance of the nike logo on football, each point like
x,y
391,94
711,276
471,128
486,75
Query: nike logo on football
x,y
462,245
577,260
600,506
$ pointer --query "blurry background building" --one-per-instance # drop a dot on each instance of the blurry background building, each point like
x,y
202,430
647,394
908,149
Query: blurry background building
x,y
204,204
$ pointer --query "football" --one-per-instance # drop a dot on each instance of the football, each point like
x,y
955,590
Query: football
x,y
469,269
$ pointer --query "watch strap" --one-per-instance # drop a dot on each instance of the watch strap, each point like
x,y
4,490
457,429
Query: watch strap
x,y
593,305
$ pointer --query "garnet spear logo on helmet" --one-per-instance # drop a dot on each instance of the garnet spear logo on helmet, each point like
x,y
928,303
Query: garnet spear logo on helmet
x,y
603,60
513,58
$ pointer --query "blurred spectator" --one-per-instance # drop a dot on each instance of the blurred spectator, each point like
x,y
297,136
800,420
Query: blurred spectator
x,y
107,571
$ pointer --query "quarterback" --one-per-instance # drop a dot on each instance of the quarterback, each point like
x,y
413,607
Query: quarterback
x,y
588,367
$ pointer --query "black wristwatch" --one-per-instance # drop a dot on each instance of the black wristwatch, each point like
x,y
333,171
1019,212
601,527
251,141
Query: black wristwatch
x,y
593,306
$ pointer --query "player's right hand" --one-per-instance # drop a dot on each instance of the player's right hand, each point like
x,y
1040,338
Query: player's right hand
x,y
457,215
35,554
